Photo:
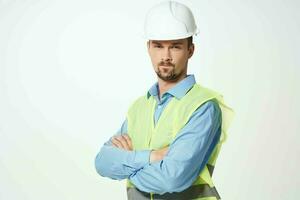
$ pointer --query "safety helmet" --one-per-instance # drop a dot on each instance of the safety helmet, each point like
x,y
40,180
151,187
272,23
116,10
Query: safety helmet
x,y
169,20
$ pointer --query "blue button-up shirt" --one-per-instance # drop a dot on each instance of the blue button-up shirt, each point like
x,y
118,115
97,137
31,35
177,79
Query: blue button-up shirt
x,y
187,154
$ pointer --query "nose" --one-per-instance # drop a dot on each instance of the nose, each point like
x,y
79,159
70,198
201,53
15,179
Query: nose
x,y
166,55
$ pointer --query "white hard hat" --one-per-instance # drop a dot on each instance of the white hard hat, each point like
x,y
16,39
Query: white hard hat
x,y
169,20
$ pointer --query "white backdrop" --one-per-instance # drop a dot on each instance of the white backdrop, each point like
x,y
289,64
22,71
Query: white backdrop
x,y
70,69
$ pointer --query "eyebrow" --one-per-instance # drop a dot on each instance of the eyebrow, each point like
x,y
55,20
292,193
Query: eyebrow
x,y
174,43
153,42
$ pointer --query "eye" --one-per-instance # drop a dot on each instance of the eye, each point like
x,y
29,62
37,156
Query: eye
x,y
176,47
157,46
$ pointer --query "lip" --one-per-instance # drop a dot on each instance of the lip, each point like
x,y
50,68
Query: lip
x,y
166,66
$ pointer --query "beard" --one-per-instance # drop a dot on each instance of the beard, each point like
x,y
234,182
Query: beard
x,y
167,74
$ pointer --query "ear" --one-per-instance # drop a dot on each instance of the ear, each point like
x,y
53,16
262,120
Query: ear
x,y
148,46
191,50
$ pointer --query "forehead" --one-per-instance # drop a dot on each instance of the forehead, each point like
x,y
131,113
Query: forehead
x,y
168,42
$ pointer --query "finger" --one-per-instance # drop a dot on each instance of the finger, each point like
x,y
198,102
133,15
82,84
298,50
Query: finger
x,y
123,142
128,140
124,139
127,137
116,143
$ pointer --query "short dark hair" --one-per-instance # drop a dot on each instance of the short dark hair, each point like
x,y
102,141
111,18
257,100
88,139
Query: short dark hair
x,y
190,41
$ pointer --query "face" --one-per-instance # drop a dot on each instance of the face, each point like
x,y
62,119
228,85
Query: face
x,y
170,58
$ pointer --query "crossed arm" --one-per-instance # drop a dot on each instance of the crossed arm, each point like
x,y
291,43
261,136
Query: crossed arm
x,y
171,169
124,142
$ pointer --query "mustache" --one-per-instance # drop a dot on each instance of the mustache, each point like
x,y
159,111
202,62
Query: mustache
x,y
165,64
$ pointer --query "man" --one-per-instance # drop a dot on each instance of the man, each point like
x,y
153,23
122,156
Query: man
x,y
168,144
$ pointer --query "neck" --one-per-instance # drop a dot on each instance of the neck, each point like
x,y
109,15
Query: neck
x,y
166,85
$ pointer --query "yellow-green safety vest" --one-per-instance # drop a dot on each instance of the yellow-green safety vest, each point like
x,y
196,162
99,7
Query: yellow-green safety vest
x,y
147,136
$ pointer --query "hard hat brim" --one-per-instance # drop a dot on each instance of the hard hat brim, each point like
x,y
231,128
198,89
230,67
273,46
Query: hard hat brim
x,y
169,37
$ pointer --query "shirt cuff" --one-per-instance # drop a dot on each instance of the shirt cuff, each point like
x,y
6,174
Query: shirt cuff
x,y
142,158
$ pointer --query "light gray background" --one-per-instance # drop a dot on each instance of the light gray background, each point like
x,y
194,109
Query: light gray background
x,y
70,69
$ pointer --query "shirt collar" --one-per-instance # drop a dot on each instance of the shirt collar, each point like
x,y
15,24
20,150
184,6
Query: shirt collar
x,y
178,91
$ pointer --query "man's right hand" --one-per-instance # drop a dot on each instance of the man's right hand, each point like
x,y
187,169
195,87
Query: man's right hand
x,y
122,142
157,155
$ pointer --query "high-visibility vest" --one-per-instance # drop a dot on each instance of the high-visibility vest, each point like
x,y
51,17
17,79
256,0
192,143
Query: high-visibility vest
x,y
145,135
